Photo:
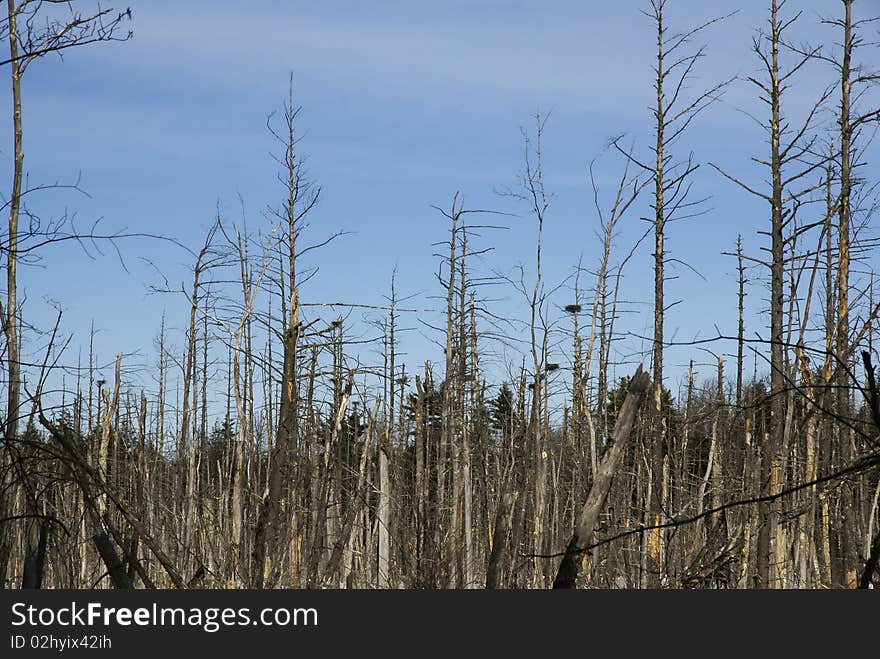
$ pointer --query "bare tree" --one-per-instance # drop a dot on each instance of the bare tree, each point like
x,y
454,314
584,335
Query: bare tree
x,y
34,28
788,148
673,112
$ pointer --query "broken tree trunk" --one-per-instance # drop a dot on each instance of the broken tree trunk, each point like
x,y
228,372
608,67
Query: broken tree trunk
x,y
583,534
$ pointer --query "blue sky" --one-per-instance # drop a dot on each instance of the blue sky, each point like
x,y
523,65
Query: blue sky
x,y
404,103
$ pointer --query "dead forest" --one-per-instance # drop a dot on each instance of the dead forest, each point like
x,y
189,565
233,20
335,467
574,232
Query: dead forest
x,y
280,443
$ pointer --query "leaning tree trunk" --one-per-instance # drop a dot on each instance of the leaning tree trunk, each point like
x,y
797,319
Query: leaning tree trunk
x,y
583,533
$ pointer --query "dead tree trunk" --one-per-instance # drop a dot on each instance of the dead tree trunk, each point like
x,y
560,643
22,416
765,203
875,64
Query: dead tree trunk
x,y
566,577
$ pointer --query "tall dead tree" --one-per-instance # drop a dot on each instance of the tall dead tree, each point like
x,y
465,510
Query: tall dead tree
x,y
204,261
236,565
608,277
453,478
740,319
301,198
789,164
533,194
853,80
384,448
674,110
33,31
